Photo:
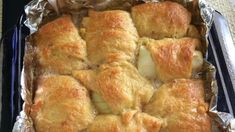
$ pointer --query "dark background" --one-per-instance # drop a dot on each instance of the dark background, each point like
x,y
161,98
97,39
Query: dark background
x,y
12,10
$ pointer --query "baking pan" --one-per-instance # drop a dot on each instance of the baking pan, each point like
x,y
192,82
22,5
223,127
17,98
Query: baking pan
x,y
221,53
12,46
221,50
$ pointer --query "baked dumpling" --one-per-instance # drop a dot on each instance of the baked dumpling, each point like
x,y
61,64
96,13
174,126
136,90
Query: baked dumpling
x,y
110,36
59,48
131,122
61,103
109,20
116,87
181,103
161,19
59,31
173,58
62,58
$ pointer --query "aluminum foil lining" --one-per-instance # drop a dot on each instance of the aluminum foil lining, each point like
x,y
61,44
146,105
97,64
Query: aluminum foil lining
x,y
40,11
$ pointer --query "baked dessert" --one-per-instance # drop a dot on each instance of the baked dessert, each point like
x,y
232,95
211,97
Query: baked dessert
x,y
136,122
105,80
161,20
181,103
59,31
116,87
61,104
113,33
59,48
169,58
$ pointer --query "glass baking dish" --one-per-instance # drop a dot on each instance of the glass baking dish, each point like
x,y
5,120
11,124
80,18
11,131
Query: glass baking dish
x,y
220,52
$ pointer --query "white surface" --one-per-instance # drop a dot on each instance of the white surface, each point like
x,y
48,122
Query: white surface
x,y
233,2
232,124
227,9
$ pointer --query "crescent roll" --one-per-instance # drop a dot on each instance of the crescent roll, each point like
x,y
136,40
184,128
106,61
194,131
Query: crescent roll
x,y
59,48
139,122
110,36
61,104
61,30
161,19
181,103
173,58
109,20
116,87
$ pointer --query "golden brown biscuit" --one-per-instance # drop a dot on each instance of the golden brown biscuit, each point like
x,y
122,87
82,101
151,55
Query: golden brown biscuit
x,y
173,58
61,104
161,19
109,20
108,46
139,122
60,31
59,48
110,36
181,103
62,58
119,84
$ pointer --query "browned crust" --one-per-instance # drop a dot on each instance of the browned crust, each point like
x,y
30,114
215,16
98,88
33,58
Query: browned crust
x,y
63,32
161,19
181,103
60,30
61,104
113,33
119,84
138,122
59,48
173,57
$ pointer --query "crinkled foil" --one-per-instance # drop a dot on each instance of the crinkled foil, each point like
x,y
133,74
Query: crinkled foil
x,y
41,11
